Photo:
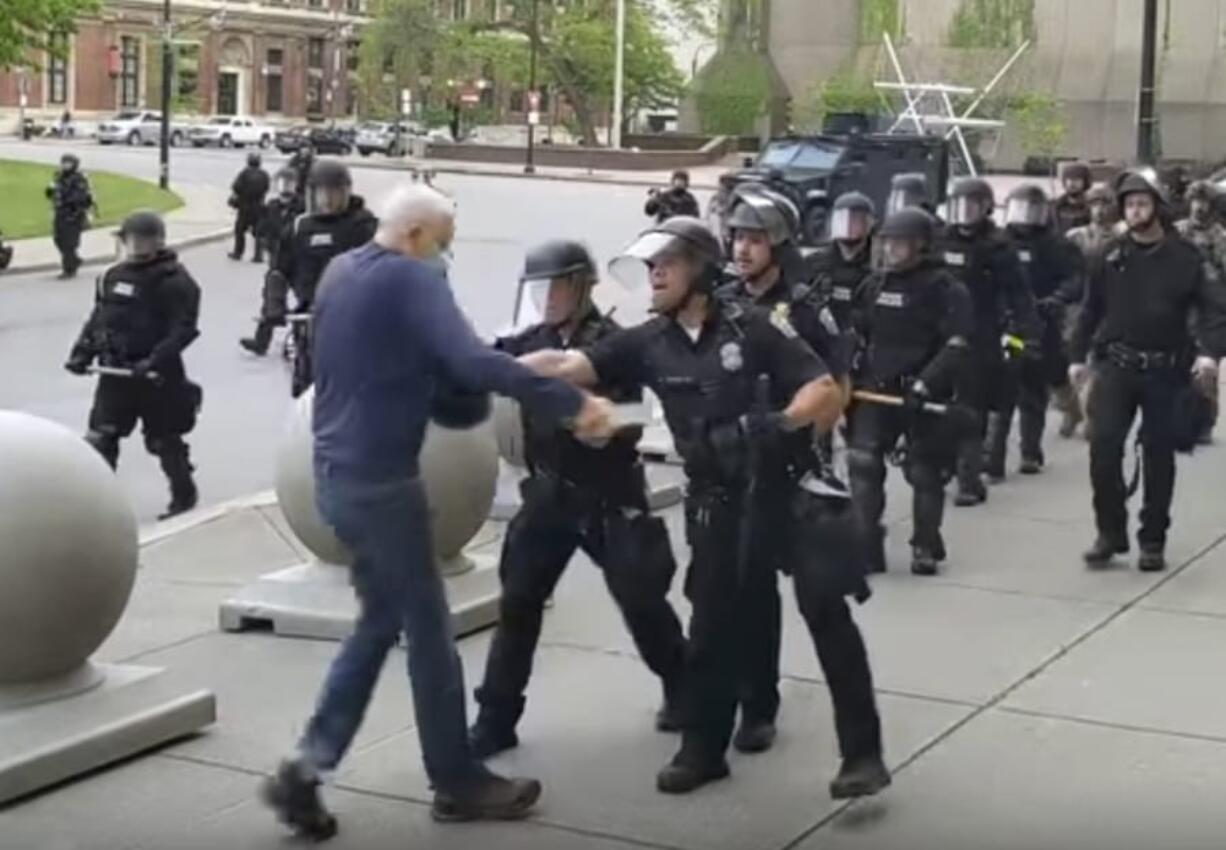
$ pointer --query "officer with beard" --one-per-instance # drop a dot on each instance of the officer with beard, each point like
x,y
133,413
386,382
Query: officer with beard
x,y
71,200
841,267
711,363
247,198
1072,209
763,226
1092,237
1203,229
575,497
1142,294
336,221
1054,268
980,256
914,321
146,310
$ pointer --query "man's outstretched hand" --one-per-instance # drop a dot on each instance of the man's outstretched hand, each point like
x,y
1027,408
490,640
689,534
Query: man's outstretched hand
x,y
596,420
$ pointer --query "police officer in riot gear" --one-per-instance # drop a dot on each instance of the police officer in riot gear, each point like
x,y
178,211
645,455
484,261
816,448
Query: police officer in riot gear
x,y
1091,237
914,321
841,267
980,256
71,200
279,213
711,362
336,221
1204,230
909,190
1141,293
575,496
145,313
301,164
763,226
1072,209
247,198
1054,269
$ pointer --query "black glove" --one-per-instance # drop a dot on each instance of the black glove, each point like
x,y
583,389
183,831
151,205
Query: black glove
x,y
916,396
141,368
77,365
764,427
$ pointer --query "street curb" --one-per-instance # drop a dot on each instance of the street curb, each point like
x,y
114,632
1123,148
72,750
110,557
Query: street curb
x,y
100,259
157,531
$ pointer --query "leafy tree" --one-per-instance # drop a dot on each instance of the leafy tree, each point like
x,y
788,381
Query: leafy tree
x,y
26,27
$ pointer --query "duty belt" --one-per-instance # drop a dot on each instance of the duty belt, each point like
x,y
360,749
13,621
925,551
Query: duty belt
x,y
1127,357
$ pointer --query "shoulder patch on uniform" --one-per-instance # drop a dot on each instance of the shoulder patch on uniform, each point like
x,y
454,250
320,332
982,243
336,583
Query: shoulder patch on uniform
x,y
954,258
318,239
124,289
781,318
890,299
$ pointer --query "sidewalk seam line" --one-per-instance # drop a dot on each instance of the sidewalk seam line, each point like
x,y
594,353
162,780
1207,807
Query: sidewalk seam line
x,y
1121,727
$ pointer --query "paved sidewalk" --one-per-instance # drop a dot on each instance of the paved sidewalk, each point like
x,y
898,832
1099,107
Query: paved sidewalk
x,y
204,217
1028,703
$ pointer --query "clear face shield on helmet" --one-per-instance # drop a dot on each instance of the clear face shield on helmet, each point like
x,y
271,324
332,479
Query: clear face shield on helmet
x,y
553,301
966,211
654,275
1025,212
849,225
139,246
328,200
285,183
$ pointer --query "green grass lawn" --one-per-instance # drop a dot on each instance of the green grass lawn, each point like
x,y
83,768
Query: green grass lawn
x,y
25,210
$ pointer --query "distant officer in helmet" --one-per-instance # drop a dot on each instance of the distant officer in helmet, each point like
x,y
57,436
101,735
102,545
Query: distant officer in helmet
x,y
909,190
738,386
841,267
1142,294
1072,208
247,198
1204,230
982,259
914,321
71,200
280,212
1054,269
1091,237
575,497
146,310
769,274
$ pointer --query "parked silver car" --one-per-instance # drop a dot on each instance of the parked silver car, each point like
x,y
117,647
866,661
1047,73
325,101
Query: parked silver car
x,y
380,137
138,127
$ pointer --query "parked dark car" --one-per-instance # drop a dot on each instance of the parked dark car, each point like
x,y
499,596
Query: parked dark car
x,y
325,139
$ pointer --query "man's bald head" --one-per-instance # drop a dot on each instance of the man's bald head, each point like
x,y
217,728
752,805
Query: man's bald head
x,y
418,221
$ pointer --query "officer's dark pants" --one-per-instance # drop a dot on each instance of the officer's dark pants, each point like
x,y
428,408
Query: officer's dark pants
x,y
716,585
875,432
1036,378
758,684
66,233
166,412
247,220
1116,396
981,391
632,549
273,308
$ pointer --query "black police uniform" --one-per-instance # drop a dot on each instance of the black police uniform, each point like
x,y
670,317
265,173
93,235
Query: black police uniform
x,y
913,326
301,162
578,497
838,277
1135,319
673,202
805,308
1054,269
987,265
247,198
71,198
276,220
706,385
146,312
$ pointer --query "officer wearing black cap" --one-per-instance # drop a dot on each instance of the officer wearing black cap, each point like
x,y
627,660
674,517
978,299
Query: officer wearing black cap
x,y
1141,295
71,200
575,497
1054,268
842,266
146,310
737,385
247,198
336,220
763,225
1072,209
980,256
914,321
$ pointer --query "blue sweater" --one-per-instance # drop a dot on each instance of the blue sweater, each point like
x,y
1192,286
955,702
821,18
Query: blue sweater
x,y
386,327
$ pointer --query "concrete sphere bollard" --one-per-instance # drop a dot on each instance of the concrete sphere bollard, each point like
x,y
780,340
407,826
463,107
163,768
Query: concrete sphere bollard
x,y
68,549
459,469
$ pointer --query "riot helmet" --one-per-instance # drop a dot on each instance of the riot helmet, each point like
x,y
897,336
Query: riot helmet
x,y
852,217
285,182
905,238
971,201
556,284
142,235
329,186
908,190
1027,207
1076,179
756,207
1140,217
674,260
1101,201
253,160
69,163
1202,201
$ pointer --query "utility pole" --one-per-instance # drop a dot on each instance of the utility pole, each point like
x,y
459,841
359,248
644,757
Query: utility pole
x,y
167,73
1146,120
619,73
533,102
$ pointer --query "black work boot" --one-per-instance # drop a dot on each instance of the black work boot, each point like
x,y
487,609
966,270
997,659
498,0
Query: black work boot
x,y
1031,466
995,448
1104,549
874,552
487,738
683,774
754,736
1151,560
259,342
489,797
971,492
860,777
671,716
923,561
293,793
178,467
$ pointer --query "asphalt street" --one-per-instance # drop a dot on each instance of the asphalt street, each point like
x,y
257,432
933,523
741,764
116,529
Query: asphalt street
x,y
246,398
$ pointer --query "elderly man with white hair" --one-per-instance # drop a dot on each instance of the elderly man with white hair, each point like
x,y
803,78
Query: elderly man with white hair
x,y
389,338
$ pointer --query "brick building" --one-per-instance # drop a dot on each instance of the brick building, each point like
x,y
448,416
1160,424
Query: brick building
x,y
282,59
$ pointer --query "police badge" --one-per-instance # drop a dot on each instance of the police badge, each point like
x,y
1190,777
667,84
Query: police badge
x,y
730,357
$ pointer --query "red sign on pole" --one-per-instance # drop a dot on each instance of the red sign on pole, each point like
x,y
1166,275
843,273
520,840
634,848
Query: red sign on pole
x,y
470,97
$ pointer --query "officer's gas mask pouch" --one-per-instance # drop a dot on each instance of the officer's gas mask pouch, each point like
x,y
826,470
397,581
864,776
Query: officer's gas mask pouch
x,y
1025,213
848,225
328,200
966,211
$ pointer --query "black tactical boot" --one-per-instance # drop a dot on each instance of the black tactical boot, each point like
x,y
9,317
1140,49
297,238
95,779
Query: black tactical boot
x,y
1031,466
293,793
259,342
1151,560
874,552
860,777
1104,549
671,716
923,561
183,493
683,775
489,797
970,493
754,736
487,738
995,448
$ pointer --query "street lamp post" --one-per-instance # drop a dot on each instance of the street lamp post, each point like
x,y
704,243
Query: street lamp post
x,y
530,161
619,73
1146,120
167,72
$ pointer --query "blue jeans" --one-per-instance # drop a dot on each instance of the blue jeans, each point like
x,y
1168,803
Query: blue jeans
x,y
387,527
